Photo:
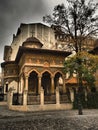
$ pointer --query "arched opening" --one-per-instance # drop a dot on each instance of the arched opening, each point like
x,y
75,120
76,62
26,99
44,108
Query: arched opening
x,y
46,83
56,79
33,83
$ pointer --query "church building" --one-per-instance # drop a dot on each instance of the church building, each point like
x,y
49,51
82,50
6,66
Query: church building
x,y
33,76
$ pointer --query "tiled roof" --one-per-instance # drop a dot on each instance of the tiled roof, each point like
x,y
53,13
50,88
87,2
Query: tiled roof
x,y
73,80
32,39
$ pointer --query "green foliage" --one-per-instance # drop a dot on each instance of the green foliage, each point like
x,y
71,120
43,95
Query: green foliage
x,y
82,63
83,102
92,100
90,103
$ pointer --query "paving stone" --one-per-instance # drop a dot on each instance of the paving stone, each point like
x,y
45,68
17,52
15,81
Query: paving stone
x,y
48,120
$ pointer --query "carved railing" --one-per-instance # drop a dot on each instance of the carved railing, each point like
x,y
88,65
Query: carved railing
x,y
64,98
50,99
33,99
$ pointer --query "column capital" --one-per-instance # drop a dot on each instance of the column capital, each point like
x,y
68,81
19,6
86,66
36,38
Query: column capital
x,y
26,75
39,76
71,90
25,91
52,76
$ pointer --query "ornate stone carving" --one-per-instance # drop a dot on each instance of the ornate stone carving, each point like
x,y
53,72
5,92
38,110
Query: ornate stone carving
x,y
46,64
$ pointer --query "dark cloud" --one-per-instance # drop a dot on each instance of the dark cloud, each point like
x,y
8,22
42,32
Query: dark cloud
x,y
14,12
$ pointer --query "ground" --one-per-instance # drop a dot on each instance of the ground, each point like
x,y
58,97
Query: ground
x,y
48,120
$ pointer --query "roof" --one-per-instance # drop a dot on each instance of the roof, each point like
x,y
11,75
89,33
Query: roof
x,y
41,51
29,24
39,23
73,80
32,39
7,62
6,50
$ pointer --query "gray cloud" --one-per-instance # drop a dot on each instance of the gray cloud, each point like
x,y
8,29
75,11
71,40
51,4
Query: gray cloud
x,y
14,12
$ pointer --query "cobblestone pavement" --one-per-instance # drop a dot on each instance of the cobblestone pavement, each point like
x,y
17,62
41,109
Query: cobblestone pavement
x,y
48,120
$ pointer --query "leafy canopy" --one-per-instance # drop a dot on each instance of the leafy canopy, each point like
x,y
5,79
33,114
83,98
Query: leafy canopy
x,y
83,63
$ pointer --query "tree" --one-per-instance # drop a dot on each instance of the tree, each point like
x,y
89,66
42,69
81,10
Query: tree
x,y
79,21
87,68
84,67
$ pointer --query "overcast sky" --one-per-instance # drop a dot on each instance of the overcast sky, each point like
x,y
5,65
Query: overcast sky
x,y
15,12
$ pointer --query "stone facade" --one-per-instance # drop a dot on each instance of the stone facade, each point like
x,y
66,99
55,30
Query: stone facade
x,y
42,32
33,70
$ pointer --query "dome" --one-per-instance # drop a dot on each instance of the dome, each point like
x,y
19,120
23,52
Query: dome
x,y
32,42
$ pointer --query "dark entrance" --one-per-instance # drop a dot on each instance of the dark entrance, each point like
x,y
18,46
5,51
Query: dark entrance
x,y
56,79
33,97
46,83
33,83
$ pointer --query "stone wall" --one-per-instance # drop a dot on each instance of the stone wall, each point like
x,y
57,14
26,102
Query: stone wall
x,y
44,33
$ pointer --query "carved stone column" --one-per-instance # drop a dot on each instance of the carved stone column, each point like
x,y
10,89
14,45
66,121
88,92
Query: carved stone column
x,y
10,98
21,84
39,83
25,91
26,83
41,96
57,96
52,84
25,97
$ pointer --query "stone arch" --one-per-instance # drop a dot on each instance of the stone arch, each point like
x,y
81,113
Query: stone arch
x,y
46,71
33,70
57,75
46,82
33,82
13,85
58,72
